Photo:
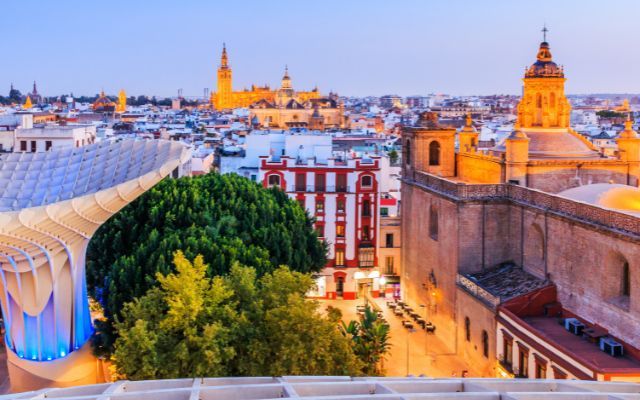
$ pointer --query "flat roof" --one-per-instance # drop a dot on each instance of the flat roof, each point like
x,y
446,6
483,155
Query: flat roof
x,y
580,348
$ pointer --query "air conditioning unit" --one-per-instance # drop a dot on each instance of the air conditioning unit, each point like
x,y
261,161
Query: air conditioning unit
x,y
611,347
574,326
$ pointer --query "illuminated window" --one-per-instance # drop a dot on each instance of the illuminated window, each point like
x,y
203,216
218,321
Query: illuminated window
x,y
340,230
319,206
365,257
339,258
340,205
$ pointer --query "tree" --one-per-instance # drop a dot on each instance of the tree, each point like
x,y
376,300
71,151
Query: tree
x,y
369,339
225,218
393,157
194,325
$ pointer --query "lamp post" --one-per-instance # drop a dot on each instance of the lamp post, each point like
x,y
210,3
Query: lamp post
x,y
409,332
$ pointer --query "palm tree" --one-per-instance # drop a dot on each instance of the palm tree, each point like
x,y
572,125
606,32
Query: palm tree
x,y
370,340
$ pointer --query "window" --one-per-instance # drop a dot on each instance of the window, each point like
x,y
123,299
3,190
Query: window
x,y
365,232
301,202
485,344
434,153
320,230
626,280
366,208
47,145
433,223
541,367
341,183
301,182
366,181
508,351
339,230
340,205
23,145
339,257
523,362
389,265
274,180
320,183
467,329
365,257
319,206
33,146
384,211
389,239
254,177
407,152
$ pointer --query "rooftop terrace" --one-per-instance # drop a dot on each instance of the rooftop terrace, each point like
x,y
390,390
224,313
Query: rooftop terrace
x,y
345,388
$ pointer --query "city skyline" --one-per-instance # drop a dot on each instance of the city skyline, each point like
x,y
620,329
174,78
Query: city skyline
x,y
461,48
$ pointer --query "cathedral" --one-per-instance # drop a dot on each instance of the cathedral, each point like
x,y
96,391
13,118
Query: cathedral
x,y
283,108
512,247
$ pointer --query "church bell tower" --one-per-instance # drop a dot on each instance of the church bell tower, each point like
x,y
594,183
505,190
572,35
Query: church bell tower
x,y
544,104
224,82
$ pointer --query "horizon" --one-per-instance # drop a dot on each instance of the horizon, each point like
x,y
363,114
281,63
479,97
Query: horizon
x,y
150,50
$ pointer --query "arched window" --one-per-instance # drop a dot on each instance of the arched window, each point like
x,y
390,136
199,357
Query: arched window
x,y
433,222
538,100
552,100
434,153
485,344
407,152
274,180
467,329
626,280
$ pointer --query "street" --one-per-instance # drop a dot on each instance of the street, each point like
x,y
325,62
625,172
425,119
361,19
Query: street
x,y
427,355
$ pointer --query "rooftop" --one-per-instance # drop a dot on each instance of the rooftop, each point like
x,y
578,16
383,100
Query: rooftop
x,y
344,388
507,281
579,347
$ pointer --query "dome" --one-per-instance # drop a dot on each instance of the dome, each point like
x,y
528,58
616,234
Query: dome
x,y
608,195
544,67
553,143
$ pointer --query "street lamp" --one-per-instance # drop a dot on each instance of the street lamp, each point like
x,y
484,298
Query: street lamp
x,y
409,332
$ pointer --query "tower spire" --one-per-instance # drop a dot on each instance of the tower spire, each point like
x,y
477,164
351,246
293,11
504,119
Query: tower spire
x,y
544,32
224,61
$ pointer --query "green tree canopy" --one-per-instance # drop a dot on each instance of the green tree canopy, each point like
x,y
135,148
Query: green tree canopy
x,y
225,218
193,325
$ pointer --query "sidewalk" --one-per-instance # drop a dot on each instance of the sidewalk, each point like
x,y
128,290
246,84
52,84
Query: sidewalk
x,y
427,354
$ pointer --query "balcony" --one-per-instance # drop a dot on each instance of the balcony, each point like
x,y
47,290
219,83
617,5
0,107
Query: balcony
x,y
318,189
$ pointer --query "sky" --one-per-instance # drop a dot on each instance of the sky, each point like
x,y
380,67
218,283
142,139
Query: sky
x,y
353,47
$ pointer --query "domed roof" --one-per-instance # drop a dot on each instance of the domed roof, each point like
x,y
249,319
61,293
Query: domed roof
x,y
609,195
544,67
553,143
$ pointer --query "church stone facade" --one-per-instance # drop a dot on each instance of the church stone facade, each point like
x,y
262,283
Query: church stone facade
x,y
486,230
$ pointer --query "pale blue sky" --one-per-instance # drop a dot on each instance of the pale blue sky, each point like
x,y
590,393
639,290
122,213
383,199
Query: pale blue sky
x,y
353,47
